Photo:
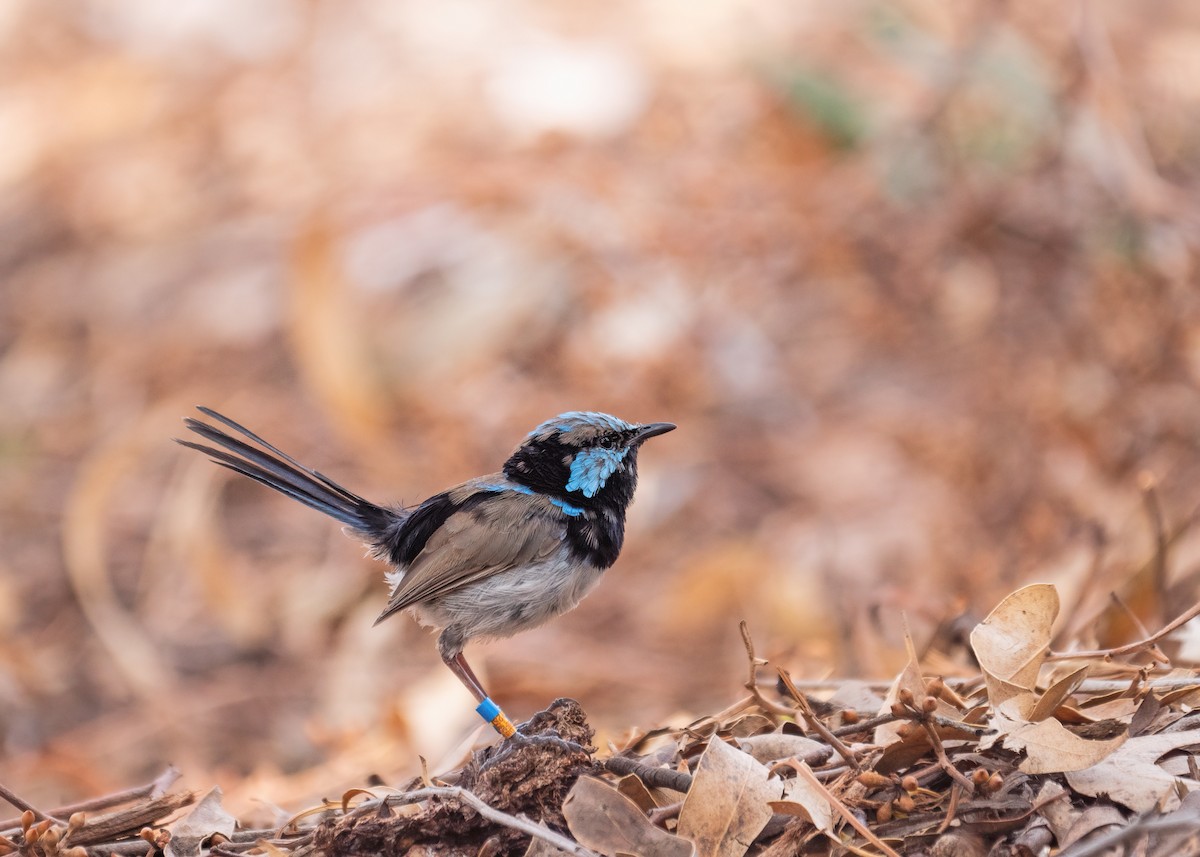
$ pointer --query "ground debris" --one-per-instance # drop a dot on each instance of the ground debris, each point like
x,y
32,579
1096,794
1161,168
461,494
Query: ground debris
x,y
528,776
1083,752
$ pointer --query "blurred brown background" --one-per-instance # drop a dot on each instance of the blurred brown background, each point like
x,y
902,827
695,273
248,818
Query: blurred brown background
x,y
917,281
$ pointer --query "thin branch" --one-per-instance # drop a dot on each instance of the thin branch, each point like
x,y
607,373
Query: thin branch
x,y
806,774
752,679
1154,651
127,821
814,722
667,778
522,825
1177,821
865,725
1158,525
1130,648
954,773
1091,685
20,803
155,788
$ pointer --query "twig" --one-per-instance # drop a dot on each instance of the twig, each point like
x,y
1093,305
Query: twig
x,y
1153,650
1154,512
523,825
665,778
814,722
1141,827
1129,648
133,847
20,803
660,815
113,825
156,788
950,723
954,773
1091,685
951,810
752,679
1099,539
865,725
806,774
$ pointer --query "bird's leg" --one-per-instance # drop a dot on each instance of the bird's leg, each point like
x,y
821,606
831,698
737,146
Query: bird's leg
x,y
452,657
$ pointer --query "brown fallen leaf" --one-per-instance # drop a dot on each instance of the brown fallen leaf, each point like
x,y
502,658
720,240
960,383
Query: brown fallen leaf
x,y
604,820
728,804
1092,819
1057,694
633,788
542,848
1051,748
205,819
1011,644
1058,813
777,745
802,799
1130,776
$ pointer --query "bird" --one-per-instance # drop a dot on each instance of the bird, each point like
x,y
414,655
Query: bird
x,y
487,558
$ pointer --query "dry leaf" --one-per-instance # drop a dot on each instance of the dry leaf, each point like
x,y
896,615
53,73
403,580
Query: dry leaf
x,y
632,787
1051,748
1092,819
604,820
1012,642
777,745
1059,814
911,679
206,818
1057,694
802,800
1130,776
542,848
727,805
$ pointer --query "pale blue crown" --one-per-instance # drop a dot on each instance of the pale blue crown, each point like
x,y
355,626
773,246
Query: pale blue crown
x,y
591,422
592,465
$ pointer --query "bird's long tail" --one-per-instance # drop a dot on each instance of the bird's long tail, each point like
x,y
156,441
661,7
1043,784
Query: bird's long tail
x,y
274,468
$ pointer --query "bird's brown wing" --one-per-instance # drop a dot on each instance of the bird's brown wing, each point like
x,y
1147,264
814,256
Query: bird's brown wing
x,y
505,531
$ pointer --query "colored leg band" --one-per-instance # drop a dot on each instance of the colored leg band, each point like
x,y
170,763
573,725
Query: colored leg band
x,y
491,712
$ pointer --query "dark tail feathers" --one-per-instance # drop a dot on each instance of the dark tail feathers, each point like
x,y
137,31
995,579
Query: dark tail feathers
x,y
276,469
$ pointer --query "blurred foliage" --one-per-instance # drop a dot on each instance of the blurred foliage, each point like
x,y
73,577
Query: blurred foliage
x,y
916,280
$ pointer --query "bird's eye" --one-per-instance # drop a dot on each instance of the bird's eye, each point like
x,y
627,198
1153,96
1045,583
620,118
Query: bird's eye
x,y
608,441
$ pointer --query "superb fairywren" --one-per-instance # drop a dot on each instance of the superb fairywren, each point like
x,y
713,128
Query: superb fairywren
x,y
493,556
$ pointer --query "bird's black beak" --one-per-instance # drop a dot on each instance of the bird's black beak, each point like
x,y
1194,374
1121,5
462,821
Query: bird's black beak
x,y
651,429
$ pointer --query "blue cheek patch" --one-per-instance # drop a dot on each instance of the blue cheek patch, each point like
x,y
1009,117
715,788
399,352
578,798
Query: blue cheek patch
x,y
591,468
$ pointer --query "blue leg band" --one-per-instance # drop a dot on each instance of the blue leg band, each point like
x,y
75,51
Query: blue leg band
x,y
491,712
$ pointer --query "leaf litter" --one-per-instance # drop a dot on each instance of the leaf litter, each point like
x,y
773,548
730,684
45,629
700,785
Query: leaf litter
x,y
1011,760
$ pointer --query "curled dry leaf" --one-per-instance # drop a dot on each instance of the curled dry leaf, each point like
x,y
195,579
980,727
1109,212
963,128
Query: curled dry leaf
x,y
728,804
1057,694
802,799
205,819
1011,645
604,820
1131,777
775,746
1092,819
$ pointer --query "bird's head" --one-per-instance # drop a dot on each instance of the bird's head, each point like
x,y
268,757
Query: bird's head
x,y
584,456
